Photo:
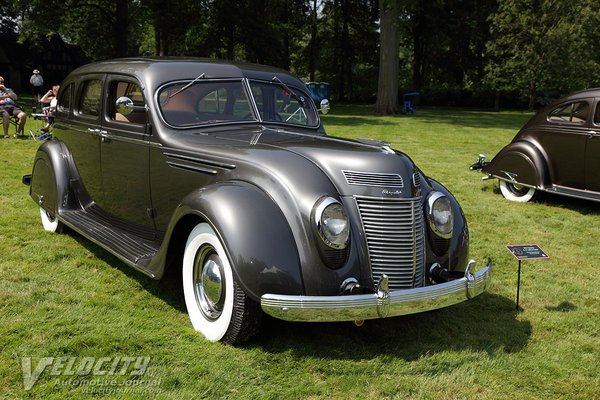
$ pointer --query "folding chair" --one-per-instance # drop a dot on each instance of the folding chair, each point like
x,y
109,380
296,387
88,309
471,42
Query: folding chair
x,y
40,121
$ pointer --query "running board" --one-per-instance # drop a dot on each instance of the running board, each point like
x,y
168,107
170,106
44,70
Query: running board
x,y
579,194
128,247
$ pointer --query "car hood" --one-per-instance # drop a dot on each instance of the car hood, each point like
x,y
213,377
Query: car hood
x,y
355,167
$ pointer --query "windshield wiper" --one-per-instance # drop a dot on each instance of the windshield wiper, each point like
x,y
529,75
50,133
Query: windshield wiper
x,y
293,95
188,85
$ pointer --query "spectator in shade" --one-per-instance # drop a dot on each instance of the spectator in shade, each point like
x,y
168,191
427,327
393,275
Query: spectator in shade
x,y
51,99
8,108
37,82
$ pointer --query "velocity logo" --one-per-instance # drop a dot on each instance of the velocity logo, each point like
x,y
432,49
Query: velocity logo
x,y
82,366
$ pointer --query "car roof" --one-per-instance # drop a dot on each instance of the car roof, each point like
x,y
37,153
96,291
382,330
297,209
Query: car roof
x,y
155,70
582,94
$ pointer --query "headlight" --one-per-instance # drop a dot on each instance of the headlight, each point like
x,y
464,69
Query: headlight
x,y
331,223
439,214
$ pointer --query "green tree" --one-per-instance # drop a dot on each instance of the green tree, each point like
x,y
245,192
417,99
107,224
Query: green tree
x,y
544,44
113,31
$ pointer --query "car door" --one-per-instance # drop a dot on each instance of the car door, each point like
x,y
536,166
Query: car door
x,y
124,153
564,139
80,107
592,153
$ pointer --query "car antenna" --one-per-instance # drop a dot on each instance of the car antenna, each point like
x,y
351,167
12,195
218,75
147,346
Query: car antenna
x,y
202,75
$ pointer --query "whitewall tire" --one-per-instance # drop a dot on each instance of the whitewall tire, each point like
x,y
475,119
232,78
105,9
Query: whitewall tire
x,y
50,222
218,308
516,192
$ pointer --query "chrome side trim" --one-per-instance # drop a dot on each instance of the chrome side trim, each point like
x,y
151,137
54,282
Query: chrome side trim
x,y
378,305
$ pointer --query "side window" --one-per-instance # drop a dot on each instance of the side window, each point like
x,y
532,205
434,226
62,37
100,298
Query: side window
x,y
64,99
572,113
133,91
597,115
91,98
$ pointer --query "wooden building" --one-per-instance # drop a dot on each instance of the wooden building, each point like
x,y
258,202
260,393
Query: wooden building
x,y
54,59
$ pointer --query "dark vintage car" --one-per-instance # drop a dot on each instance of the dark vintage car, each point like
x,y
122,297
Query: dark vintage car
x,y
224,173
557,151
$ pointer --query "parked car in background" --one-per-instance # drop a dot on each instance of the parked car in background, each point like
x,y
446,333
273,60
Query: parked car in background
x,y
224,172
557,151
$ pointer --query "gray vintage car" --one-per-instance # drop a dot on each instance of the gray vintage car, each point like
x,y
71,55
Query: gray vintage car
x,y
556,151
224,172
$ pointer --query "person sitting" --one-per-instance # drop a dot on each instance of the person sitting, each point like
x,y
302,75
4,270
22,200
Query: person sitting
x,y
9,108
51,98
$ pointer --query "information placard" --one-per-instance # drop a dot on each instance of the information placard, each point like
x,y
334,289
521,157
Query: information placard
x,y
527,252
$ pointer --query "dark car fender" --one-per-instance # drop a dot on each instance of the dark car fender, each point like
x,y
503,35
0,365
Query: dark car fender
x,y
458,250
520,162
51,177
254,231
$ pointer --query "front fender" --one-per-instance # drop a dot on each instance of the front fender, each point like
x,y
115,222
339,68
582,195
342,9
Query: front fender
x,y
255,234
519,162
458,250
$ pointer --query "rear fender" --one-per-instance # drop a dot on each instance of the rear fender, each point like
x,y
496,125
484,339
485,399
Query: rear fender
x,y
519,162
51,177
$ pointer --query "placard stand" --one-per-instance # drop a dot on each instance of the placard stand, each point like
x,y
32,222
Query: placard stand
x,y
525,252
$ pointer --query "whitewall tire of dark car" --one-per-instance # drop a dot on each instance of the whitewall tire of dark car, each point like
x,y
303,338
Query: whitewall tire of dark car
x,y
218,308
50,222
516,192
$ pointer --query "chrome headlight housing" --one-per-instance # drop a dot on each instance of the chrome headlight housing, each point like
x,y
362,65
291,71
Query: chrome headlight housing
x,y
331,222
440,215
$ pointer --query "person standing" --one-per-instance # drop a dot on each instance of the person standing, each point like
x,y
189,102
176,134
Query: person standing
x,y
37,82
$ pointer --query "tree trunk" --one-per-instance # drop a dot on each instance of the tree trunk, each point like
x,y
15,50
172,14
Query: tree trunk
x,y
121,23
313,43
532,95
387,86
419,44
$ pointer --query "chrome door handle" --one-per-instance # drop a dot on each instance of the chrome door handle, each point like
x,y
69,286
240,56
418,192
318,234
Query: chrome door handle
x,y
592,134
104,136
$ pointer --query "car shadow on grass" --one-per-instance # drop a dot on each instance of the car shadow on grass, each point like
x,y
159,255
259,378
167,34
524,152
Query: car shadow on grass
x,y
486,324
168,288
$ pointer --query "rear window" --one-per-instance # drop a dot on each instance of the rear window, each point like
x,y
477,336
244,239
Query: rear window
x,y
572,113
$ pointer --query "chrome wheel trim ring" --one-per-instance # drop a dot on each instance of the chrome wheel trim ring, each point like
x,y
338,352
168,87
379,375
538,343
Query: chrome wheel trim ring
x,y
209,283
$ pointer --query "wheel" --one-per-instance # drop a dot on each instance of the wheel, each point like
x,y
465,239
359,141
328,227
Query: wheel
x,y
50,222
217,306
516,192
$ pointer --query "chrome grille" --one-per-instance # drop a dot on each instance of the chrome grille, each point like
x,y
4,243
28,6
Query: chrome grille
x,y
416,180
373,179
395,238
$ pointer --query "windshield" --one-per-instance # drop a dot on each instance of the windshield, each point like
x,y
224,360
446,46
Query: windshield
x,y
201,102
276,104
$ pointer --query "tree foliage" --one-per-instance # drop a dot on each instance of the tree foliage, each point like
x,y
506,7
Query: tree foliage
x,y
544,44
466,46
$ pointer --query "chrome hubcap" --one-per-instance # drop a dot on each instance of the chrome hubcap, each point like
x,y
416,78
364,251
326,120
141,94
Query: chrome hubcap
x,y
518,189
209,283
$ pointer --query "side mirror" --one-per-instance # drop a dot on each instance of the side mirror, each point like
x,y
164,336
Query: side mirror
x,y
325,107
124,105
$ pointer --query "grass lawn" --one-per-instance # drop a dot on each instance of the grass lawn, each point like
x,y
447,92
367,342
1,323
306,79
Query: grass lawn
x,y
62,296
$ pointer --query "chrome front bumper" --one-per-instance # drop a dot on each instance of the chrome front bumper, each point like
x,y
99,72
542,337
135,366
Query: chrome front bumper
x,y
381,304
